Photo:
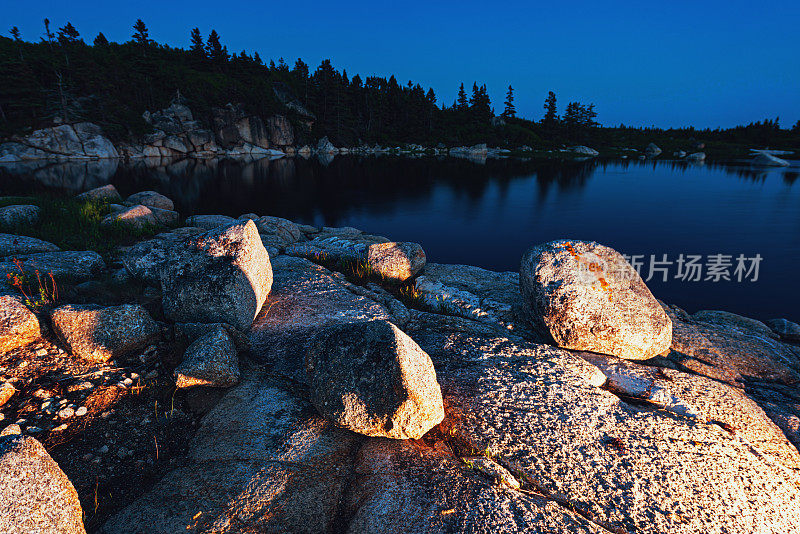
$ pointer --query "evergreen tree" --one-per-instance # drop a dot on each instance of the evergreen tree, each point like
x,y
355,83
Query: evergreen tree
x,y
461,101
197,47
551,112
68,34
214,49
509,111
100,40
479,104
141,34
15,34
257,59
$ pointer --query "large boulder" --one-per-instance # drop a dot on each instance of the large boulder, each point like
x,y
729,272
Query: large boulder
x,y
396,262
587,297
66,266
234,127
13,245
144,260
101,334
107,193
18,325
223,275
210,361
17,215
372,378
136,217
35,494
67,141
151,199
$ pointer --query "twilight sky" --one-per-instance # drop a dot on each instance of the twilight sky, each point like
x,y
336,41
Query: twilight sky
x,y
707,64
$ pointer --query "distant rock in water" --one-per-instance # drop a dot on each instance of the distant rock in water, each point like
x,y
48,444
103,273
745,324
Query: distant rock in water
x,y
768,160
587,297
585,150
696,157
83,140
652,150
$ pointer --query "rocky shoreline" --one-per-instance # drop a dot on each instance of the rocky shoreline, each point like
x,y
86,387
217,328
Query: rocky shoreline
x,y
326,380
233,132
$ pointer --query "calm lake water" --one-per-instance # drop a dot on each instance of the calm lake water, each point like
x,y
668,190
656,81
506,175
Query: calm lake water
x,y
487,214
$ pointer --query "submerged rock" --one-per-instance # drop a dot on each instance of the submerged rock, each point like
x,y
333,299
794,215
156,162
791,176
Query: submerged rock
x,y
210,361
587,297
696,156
18,325
35,494
372,378
103,334
223,275
585,150
768,160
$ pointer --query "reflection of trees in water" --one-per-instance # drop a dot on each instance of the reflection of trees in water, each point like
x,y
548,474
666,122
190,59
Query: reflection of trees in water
x,y
306,188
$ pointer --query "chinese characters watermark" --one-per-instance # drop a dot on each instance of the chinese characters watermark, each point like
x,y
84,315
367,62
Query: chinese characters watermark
x,y
685,268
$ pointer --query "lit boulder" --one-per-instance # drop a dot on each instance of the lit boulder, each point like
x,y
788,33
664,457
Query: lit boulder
x,y
220,276
210,361
35,494
18,325
100,334
371,378
396,262
587,297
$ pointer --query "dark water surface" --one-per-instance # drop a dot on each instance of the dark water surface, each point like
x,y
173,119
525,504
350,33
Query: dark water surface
x,y
487,214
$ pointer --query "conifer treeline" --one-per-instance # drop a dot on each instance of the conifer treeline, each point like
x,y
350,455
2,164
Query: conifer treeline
x,y
112,84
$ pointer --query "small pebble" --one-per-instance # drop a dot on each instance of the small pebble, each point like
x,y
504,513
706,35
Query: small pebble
x,y
105,415
127,382
66,413
41,352
61,427
134,376
33,429
103,449
80,412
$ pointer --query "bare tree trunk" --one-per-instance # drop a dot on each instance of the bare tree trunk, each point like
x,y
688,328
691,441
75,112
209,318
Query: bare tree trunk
x,y
64,114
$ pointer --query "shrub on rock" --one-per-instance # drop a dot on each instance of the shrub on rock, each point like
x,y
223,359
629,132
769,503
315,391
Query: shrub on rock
x,y
372,378
210,361
100,334
587,297
35,494
396,262
18,325
221,276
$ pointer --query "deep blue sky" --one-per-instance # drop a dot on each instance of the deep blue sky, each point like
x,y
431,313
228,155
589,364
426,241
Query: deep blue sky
x,y
712,63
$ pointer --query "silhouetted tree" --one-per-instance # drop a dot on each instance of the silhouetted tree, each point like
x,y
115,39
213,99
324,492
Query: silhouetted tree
x,y
551,111
214,49
509,110
461,101
196,46
100,40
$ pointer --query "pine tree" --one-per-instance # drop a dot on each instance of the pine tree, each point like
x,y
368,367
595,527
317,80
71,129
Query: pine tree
x,y
197,47
257,59
68,34
100,40
509,111
15,34
141,34
461,101
551,112
214,49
